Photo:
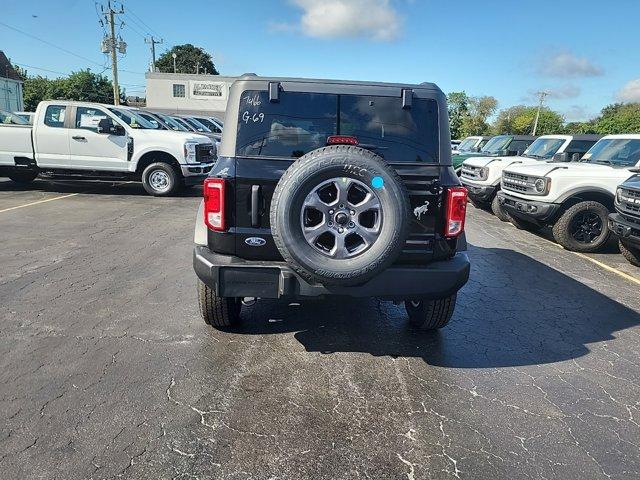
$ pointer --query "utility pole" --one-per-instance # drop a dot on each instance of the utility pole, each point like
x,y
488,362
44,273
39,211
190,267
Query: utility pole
x,y
111,44
542,95
153,42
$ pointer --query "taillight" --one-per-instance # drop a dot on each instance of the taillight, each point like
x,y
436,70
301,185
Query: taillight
x,y
214,203
456,206
341,140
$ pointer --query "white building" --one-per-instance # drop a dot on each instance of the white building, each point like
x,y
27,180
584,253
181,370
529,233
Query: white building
x,y
188,93
10,86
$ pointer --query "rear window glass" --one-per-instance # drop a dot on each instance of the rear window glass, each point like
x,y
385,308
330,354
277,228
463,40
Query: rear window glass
x,y
301,122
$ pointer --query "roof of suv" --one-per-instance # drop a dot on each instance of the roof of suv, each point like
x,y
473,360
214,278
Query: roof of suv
x,y
252,77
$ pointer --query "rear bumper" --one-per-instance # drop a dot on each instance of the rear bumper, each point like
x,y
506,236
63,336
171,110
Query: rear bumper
x,y
541,212
235,277
624,229
480,193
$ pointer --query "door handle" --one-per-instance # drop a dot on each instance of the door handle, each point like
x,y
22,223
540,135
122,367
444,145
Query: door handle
x,y
78,137
255,206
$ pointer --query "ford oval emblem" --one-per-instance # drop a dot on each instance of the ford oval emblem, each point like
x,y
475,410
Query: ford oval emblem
x,y
255,241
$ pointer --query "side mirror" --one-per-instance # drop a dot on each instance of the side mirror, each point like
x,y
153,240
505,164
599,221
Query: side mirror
x,y
561,157
105,125
576,157
119,130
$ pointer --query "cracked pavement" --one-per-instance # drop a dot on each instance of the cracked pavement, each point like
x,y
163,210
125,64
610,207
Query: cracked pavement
x,y
107,370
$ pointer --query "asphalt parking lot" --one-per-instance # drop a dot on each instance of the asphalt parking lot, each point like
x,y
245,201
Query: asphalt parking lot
x,y
107,370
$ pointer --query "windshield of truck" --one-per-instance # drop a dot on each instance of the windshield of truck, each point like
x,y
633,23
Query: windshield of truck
x,y
131,119
617,152
544,148
173,125
196,124
184,124
9,118
496,144
152,120
301,122
209,124
468,144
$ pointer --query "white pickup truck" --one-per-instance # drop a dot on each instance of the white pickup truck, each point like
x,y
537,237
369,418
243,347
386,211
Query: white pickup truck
x,y
89,140
482,175
574,198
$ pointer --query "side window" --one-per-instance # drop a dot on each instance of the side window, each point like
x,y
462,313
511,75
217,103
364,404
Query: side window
x,y
87,118
297,124
179,90
579,146
519,145
54,116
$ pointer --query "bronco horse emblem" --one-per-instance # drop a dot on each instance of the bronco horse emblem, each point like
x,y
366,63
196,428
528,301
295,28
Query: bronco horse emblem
x,y
418,211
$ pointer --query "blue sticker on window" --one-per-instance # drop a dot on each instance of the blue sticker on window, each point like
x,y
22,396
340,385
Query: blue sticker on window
x,y
377,182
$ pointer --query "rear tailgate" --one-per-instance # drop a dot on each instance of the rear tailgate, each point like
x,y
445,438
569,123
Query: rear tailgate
x,y
15,144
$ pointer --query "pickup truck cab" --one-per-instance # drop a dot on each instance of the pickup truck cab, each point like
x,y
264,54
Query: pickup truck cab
x,y
327,188
500,145
482,175
625,222
80,140
575,198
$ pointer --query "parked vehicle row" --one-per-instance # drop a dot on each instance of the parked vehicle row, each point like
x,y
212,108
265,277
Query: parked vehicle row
x,y
500,145
79,140
582,201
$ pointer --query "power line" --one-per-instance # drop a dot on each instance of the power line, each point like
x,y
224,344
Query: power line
x,y
51,44
142,23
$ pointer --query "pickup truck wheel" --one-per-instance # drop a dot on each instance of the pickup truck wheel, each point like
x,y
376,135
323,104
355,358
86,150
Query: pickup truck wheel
x,y
340,215
23,178
161,180
523,224
583,227
631,253
430,314
218,311
498,211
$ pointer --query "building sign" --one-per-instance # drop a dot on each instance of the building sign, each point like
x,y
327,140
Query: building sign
x,y
208,89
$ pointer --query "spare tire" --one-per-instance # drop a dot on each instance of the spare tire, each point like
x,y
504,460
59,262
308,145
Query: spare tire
x,y
340,215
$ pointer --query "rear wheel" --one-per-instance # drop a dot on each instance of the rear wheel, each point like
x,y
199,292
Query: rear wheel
x,y
218,311
498,211
583,227
161,180
523,224
23,177
430,314
631,253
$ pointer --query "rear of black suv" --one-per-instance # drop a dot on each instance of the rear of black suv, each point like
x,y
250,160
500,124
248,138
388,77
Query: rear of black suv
x,y
327,188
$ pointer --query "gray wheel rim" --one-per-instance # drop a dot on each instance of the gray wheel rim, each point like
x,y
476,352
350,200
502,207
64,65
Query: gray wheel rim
x,y
341,218
160,181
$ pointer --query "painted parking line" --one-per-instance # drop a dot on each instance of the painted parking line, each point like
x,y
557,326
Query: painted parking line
x,y
39,202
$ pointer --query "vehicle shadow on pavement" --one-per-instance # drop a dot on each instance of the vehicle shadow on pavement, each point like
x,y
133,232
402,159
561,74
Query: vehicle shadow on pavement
x,y
93,187
514,311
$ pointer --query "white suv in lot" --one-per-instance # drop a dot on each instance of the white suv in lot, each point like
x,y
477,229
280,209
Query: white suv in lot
x,y
575,199
482,175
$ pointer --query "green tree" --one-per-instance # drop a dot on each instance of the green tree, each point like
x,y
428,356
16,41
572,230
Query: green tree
x,y
519,120
480,109
188,59
579,128
458,106
619,118
83,85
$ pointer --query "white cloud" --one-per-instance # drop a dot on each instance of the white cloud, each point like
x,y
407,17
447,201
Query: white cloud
x,y
372,19
566,64
578,113
630,93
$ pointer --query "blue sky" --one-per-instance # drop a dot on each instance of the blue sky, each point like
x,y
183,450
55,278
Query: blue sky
x,y
584,52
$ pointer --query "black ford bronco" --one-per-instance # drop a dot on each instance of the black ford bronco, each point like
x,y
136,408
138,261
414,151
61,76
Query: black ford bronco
x,y
625,223
332,188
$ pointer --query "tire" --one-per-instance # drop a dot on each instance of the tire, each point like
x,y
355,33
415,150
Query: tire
x,y
631,253
523,224
161,179
334,168
218,311
567,231
498,211
23,177
430,314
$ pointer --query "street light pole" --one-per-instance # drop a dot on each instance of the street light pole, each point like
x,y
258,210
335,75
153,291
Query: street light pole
x,y
535,124
174,62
